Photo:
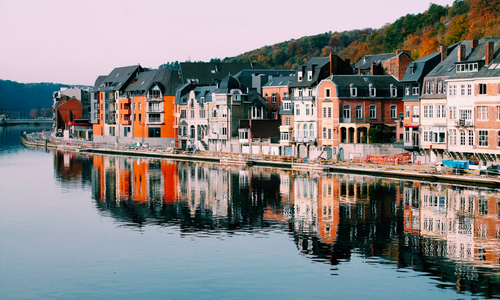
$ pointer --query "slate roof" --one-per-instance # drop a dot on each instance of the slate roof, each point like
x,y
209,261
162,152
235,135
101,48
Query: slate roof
x,y
229,83
446,67
320,67
421,67
245,76
142,82
280,81
119,78
382,84
367,60
99,81
478,55
210,73
169,79
204,91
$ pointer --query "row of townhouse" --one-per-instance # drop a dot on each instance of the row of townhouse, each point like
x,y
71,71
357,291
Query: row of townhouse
x,y
444,104
202,106
452,102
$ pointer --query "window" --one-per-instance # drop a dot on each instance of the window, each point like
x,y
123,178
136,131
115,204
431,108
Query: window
x,y
453,112
309,75
483,138
311,131
354,91
329,112
470,67
287,121
201,113
223,113
482,113
407,111
307,109
373,91
299,76
415,111
407,89
394,92
274,98
462,90
438,135
324,112
214,113
154,132
462,137
140,117
192,114
394,111
426,111
287,105
431,111
297,109
373,111
305,131
223,130
347,111
324,132
183,114
330,134
274,115
426,134
440,87
471,137
427,89
453,90
327,93
465,114
359,111
414,90
126,131
256,113
453,137
482,89
469,90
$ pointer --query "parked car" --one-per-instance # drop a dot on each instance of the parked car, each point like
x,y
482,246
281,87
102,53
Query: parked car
x,y
491,170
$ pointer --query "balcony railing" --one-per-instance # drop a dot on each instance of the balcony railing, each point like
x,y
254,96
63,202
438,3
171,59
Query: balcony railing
x,y
464,122
304,140
354,120
154,98
155,121
303,98
154,109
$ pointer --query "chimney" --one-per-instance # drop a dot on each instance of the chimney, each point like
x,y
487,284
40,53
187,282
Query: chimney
x,y
488,53
461,53
333,63
373,68
473,45
444,52
359,69
399,51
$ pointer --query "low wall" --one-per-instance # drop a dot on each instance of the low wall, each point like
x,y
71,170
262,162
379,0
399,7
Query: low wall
x,y
351,150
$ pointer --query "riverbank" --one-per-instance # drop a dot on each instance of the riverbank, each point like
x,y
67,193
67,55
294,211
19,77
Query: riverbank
x,y
406,171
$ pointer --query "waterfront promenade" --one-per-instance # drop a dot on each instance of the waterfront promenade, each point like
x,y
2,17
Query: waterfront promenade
x,y
415,171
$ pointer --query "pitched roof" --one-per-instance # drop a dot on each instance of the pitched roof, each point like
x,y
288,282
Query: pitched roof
x,y
142,82
367,60
229,83
99,81
382,84
280,81
210,73
421,67
119,78
478,55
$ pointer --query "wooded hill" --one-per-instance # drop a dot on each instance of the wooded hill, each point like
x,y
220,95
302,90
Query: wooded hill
x,y
422,34
15,96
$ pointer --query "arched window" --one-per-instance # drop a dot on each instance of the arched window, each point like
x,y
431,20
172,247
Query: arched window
x,y
193,132
214,113
311,131
305,131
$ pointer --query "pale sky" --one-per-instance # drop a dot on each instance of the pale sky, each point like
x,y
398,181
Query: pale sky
x,y
74,41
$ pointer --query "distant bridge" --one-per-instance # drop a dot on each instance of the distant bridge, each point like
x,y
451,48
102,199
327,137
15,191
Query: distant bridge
x,y
11,122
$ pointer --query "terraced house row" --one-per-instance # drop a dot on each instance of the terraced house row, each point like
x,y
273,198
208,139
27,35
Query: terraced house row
x,y
446,104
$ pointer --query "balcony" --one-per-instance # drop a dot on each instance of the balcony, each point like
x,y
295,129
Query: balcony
x,y
304,140
153,121
463,123
302,98
154,109
354,120
110,119
154,98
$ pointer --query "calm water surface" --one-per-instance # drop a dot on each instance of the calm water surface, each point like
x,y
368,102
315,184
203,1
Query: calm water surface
x,y
78,226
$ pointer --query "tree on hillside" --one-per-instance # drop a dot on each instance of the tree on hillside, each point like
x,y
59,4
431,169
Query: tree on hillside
x,y
429,44
458,29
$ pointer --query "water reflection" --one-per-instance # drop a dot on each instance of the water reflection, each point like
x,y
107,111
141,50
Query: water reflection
x,y
449,232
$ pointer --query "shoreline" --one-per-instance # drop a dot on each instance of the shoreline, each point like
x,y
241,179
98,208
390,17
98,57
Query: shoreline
x,y
415,172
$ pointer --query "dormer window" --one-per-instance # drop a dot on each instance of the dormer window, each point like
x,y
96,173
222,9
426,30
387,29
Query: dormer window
x,y
287,105
469,67
373,91
299,76
309,75
412,69
394,91
354,91
414,90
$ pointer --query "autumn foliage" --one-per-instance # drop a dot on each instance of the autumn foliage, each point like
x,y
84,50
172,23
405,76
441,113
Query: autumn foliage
x,y
422,34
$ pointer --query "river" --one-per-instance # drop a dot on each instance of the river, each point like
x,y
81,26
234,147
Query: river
x,y
79,226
